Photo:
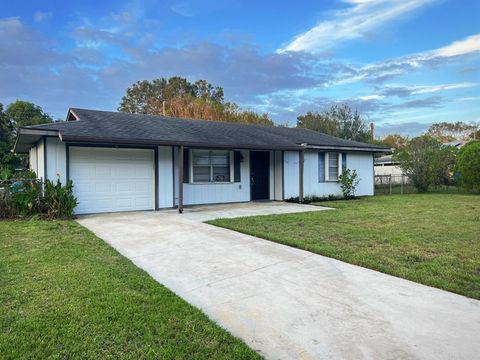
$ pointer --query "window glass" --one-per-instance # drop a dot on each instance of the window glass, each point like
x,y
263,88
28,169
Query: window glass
x,y
211,166
332,166
201,173
220,158
201,157
321,167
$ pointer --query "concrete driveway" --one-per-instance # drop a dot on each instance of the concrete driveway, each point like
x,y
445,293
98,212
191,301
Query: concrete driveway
x,y
288,303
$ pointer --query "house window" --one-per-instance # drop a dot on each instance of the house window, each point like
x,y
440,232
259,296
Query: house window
x,y
321,167
211,166
332,166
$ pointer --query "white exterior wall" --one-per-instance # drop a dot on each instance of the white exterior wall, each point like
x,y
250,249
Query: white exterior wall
x,y
271,185
56,160
32,159
278,176
290,173
40,160
195,194
165,177
359,161
363,164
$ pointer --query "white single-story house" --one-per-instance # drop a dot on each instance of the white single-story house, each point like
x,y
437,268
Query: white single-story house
x,y
124,162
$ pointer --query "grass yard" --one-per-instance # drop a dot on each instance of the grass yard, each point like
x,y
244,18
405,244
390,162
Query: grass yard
x,y
67,294
433,239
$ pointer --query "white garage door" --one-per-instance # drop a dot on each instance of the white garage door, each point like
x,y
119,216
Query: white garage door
x,y
109,179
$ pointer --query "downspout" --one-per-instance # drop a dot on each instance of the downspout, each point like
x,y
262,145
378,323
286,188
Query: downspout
x,y
180,179
301,163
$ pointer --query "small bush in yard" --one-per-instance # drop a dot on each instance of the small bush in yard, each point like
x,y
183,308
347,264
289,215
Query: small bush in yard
x,y
8,205
468,166
59,200
348,182
313,198
28,197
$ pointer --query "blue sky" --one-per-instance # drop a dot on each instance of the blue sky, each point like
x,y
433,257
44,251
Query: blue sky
x,y
403,63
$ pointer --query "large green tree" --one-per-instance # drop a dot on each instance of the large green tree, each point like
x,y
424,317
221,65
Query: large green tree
x,y
339,120
426,161
5,141
17,114
394,141
468,165
178,97
23,113
147,97
446,131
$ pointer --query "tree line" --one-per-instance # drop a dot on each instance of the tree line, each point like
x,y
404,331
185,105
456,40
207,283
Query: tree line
x,y
181,98
17,114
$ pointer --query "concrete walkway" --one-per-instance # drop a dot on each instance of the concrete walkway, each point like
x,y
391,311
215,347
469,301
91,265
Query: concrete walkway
x,y
288,303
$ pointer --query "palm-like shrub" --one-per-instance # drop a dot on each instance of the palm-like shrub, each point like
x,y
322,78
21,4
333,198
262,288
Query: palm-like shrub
x,y
59,200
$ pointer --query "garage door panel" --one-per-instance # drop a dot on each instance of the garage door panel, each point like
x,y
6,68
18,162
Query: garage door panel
x,y
124,187
141,186
108,180
142,202
102,172
124,202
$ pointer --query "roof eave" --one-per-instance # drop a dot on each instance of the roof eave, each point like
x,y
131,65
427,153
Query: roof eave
x,y
148,142
350,148
28,137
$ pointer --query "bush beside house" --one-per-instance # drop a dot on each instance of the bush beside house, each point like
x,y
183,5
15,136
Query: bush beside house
x,y
27,196
348,182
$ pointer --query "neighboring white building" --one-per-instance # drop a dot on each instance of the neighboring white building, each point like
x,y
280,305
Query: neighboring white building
x,y
388,171
385,165
124,162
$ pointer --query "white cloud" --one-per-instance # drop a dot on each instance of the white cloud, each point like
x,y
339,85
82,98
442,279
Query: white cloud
x,y
403,91
371,97
10,25
40,16
469,98
355,22
398,66
461,47
182,9
436,88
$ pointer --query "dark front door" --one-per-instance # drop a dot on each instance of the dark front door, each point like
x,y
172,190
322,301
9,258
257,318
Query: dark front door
x,y
259,174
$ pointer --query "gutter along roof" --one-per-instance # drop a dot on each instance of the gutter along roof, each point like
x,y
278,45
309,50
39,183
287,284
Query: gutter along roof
x,y
104,127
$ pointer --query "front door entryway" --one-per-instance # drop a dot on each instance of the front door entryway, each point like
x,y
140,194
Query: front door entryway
x,y
259,175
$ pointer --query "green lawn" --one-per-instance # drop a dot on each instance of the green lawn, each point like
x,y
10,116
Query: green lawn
x,y
66,294
432,239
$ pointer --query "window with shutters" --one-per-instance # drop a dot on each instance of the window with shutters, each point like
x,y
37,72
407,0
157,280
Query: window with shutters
x,y
211,166
330,166
321,167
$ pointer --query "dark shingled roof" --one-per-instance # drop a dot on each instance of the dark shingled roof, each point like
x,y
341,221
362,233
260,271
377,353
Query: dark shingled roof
x,y
124,128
